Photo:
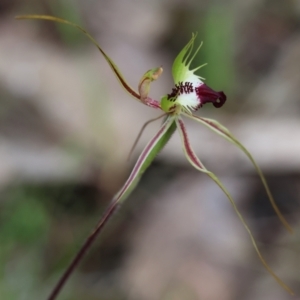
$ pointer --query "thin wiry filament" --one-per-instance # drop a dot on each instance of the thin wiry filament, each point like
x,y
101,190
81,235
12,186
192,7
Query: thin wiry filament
x,y
140,134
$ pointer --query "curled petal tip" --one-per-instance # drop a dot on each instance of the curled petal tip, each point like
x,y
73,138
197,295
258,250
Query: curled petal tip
x,y
157,72
221,100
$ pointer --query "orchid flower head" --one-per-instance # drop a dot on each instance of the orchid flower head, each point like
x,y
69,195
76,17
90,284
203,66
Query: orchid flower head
x,y
190,92
188,95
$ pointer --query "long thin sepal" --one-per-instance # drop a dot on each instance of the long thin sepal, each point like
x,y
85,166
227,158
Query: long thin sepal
x,y
224,132
113,66
195,162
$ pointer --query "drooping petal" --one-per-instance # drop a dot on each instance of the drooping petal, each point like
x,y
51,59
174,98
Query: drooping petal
x,y
113,66
151,150
196,163
225,133
188,151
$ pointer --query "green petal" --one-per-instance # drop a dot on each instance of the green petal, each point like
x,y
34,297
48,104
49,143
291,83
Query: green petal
x,y
113,66
224,132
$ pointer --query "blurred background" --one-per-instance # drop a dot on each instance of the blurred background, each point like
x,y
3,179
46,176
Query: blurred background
x,y
66,128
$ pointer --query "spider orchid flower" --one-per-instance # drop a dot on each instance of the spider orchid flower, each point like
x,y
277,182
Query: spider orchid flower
x,y
188,95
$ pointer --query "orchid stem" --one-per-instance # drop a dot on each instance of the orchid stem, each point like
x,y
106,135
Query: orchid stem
x,y
114,205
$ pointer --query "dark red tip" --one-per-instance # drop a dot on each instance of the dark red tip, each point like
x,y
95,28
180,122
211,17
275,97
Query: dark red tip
x,y
208,95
